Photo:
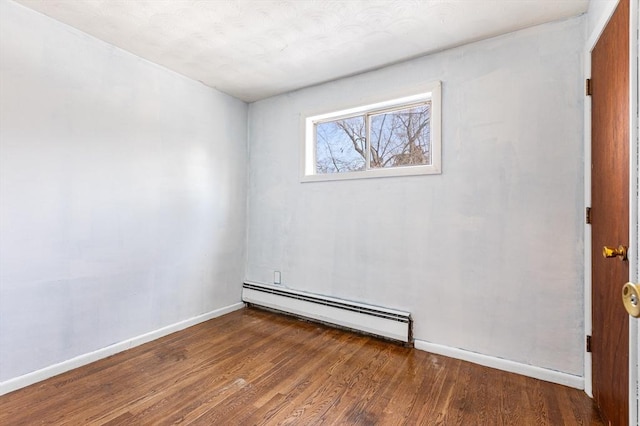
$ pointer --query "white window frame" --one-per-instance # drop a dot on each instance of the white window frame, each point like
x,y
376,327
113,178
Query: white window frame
x,y
431,91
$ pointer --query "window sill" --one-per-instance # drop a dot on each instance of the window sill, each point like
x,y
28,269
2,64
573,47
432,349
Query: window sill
x,y
376,173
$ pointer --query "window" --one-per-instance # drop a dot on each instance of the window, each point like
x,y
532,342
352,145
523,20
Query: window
x,y
393,138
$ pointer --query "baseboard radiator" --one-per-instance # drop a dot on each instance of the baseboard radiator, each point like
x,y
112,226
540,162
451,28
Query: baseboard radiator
x,y
383,322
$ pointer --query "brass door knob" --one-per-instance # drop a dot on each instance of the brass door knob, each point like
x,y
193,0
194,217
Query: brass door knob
x,y
610,252
631,299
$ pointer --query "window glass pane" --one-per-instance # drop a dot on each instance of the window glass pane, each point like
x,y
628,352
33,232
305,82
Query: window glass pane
x,y
340,145
401,137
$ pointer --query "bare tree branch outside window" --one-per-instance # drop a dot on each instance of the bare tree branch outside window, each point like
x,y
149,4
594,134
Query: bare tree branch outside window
x,y
396,138
341,145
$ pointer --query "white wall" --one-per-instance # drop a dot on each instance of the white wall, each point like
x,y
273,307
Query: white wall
x,y
598,15
122,191
486,256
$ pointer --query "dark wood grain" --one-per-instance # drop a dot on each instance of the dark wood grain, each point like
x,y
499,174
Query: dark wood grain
x,y
252,367
610,215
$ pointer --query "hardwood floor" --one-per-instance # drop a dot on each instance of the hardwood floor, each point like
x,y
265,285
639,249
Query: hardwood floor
x,y
252,367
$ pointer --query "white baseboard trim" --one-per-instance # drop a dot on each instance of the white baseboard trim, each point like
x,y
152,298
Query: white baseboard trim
x,y
540,373
62,367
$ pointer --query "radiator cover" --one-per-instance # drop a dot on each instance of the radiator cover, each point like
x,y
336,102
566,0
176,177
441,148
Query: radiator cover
x,y
389,323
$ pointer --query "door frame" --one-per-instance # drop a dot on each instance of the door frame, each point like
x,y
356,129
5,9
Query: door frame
x,y
634,201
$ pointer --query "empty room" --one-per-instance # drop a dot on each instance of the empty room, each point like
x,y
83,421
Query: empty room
x,y
371,212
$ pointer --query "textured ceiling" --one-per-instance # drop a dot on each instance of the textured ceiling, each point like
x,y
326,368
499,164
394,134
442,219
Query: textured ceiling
x,y
253,49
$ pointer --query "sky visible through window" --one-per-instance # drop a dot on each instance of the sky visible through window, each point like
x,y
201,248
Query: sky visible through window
x,y
397,138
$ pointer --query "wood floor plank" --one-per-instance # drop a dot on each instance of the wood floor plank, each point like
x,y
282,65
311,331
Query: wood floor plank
x,y
214,381
290,379
253,367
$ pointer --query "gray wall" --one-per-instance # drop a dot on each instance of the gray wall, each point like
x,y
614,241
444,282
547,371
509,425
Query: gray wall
x,y
122,194
488,255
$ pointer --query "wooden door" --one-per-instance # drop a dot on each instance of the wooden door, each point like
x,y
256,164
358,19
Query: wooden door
x,y
610,215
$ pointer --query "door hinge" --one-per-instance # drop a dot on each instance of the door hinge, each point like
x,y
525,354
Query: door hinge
x,y
587,87
588,343
587,215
